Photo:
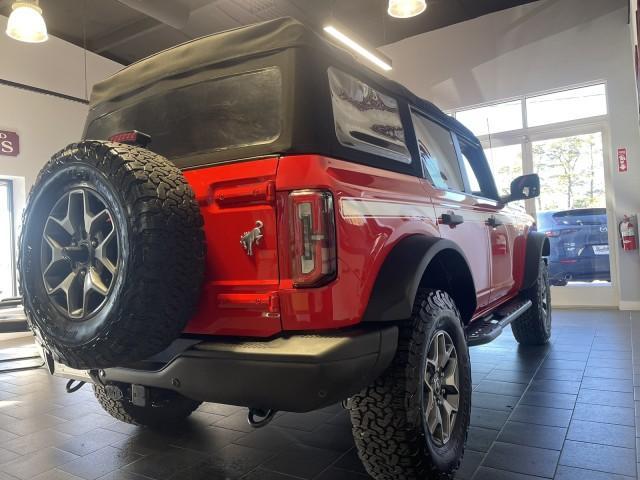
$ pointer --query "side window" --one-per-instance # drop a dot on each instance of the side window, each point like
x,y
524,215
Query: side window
x,y
438,154
481,181
366,119
471,175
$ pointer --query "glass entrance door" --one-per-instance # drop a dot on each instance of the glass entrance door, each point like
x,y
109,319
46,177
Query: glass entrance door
x,y
7,249
571,209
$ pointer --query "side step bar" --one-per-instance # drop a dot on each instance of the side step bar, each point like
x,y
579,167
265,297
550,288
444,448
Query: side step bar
x,y
487,329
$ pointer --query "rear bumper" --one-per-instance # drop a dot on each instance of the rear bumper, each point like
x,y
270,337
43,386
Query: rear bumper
x,y
580,268
298,373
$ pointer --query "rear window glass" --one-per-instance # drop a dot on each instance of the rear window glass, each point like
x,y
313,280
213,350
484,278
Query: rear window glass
x,y
224,113
589,216
366,119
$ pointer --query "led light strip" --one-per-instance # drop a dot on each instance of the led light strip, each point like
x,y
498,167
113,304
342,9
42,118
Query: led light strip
x,y
356,47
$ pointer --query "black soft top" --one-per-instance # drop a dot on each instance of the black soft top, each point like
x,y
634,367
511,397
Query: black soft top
x,y
245,43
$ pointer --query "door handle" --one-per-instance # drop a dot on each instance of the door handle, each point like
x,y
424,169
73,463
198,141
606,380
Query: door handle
x,y
451,219
494,222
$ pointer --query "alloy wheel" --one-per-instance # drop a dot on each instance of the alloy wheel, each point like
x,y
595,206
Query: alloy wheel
x,y
79,253
441,388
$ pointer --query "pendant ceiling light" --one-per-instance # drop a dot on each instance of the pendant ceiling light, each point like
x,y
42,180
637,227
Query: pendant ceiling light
x,y
406,8
26,23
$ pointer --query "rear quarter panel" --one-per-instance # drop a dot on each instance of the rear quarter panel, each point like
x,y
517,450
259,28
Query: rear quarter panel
x,y
374,209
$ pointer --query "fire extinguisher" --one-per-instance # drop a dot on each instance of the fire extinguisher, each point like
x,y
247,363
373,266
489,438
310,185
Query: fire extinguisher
x,y
628,234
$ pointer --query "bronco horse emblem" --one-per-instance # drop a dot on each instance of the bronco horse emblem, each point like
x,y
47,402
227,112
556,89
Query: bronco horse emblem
x,y
251,238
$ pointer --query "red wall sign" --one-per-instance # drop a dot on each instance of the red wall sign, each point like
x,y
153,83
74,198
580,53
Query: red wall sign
x,y
622,160
9,143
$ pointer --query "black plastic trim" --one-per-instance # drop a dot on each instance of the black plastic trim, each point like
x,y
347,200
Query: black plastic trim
x,y
537,247
298,373
397,283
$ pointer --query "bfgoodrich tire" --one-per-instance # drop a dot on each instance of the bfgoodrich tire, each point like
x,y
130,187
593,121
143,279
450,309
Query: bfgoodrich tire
x,y
111,256
163,406
534,326
395,420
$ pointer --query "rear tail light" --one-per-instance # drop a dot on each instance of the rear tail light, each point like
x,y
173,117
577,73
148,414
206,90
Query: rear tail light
x,y
552,233
313,238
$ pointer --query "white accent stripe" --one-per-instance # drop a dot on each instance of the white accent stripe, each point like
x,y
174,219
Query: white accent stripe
x,y
358,208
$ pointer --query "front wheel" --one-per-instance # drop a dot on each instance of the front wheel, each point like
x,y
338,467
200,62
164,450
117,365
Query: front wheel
x,y
534,326
412,422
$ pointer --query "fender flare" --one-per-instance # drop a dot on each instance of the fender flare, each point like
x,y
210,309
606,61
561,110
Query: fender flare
x,y
537,247
396,286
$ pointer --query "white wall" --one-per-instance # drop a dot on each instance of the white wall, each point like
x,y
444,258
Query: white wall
x,y
541,46
45,123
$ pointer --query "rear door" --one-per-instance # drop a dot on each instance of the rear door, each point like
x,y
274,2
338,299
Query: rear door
x,y
462,218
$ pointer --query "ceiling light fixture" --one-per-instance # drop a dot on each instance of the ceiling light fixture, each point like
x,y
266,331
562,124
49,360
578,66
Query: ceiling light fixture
x,y
406,8
26,23
356,47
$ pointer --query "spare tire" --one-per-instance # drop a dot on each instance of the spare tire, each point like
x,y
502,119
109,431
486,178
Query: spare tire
x,y
111,254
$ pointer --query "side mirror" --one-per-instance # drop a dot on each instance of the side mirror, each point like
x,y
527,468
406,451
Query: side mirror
x,y
525,187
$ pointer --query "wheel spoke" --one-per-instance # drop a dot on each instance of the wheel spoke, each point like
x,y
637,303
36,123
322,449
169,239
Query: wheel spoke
x,y
431,400
92,283
450,379
442,349
448,350
87,217
434,420
57,254
447,414
69,288
434,354
80,232
94,221
63,285
76,212
101,252
65,224
441,397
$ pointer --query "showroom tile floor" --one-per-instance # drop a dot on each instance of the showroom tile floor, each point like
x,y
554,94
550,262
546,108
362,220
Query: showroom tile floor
x,y
563,411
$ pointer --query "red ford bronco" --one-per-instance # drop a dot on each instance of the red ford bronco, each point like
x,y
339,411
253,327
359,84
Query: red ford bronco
x,y
254,218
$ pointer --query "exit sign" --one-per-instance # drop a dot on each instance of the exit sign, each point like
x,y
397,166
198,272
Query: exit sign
x,y
9,143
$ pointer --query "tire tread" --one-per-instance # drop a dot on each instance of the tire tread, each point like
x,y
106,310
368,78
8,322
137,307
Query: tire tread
x,y
166,263
384,415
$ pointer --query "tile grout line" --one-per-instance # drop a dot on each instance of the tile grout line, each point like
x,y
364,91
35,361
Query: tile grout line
x,y
511,413
574,405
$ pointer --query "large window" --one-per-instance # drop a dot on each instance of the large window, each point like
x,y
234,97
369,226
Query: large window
x,y
366,119
571,172
559,136
535,111
7,255
567,105
492,119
